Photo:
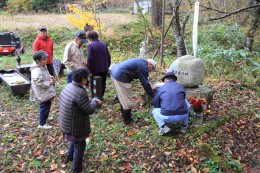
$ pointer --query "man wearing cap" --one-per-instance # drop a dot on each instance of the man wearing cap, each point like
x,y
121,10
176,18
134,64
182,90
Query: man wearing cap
x,y
44,42
124,73
73,54
170,105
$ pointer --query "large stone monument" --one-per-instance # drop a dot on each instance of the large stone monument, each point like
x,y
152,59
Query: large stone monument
x,y
190,72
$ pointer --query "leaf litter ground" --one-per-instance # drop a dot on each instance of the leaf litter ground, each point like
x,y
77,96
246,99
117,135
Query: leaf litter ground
x,y
114,147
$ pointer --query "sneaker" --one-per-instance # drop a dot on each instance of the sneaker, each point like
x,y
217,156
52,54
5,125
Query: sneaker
x,y
163,130
45,126
50,118
184,129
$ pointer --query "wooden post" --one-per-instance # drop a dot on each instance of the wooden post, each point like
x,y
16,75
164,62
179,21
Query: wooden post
x,y
162,39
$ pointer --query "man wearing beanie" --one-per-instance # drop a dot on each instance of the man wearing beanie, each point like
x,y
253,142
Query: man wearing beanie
x,y
123,74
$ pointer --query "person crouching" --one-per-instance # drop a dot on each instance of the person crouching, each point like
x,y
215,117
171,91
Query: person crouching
x,y
170,105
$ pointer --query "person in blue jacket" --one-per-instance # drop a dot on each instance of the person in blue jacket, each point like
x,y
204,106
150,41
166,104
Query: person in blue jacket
x,y
124,73
170,105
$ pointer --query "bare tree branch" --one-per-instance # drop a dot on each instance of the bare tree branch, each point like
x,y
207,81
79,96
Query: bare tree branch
x,y
209,8
185,20
235,12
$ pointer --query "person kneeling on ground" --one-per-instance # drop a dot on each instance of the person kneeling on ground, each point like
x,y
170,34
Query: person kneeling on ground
x,y
170,105
43,87
75,108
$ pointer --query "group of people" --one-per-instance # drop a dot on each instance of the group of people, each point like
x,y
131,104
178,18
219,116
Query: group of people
x,y
75,105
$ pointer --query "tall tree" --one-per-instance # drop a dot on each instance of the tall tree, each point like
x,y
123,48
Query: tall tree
x,y
157,13
178,30
250,35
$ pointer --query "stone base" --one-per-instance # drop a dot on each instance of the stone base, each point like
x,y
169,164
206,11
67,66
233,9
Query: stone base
x,y
200,92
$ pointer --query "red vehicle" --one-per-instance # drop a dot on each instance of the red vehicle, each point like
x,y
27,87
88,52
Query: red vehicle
x,y
10,44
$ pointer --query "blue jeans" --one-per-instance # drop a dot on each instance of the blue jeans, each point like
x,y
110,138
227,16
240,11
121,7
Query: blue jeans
x,y
75,153
44,112
69,78
162,119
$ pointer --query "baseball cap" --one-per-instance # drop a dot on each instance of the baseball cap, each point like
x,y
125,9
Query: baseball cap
x,y
39,55
42,28
170,75
82,36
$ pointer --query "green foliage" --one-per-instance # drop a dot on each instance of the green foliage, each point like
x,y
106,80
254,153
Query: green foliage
x,y
44,5
221,48
232,163
2,3
209,163
17,6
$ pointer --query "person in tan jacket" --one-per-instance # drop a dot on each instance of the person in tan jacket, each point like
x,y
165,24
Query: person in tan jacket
x,y
43,86
73,54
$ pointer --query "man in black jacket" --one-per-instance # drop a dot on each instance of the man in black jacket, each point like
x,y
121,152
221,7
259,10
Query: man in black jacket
x,y
75,108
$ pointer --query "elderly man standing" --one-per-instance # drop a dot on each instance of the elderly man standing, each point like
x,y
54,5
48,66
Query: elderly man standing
x,y
124,73
73,54
170,105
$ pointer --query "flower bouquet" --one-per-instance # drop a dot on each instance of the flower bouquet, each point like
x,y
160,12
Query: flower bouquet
x,y
199,108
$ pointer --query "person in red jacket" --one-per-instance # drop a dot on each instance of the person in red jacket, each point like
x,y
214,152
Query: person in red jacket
x,y
45,43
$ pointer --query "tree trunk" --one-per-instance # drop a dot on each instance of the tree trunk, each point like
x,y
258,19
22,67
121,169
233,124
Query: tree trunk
x,y
178,34
250,35
157,13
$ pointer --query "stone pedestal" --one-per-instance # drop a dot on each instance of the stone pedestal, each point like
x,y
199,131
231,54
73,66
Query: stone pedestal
x,y
200,92
198,119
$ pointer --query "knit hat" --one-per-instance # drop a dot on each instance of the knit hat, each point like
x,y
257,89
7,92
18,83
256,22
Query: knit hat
x,y
152,62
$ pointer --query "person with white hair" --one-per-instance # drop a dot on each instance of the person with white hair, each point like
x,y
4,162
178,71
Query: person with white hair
x,y
123,74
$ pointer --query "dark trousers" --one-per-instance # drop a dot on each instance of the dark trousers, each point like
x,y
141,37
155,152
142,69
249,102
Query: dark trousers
x,y
76,153
69,78
103,76
44,112
51,69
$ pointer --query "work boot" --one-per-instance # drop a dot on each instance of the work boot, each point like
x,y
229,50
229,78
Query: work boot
x,y
115,101
127,117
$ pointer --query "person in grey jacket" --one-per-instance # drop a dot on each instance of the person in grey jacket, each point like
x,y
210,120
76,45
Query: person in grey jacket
x,y
43,87
75,108
124,73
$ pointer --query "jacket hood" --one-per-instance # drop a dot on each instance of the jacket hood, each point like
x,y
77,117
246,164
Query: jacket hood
x,y
34,65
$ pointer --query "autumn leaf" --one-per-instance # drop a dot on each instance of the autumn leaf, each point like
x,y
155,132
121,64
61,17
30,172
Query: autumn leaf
x,y
167,153
36,153
53,167
194,170
115,156
126,167
190,151
62,152
140,146
130,133
104,157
